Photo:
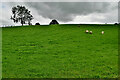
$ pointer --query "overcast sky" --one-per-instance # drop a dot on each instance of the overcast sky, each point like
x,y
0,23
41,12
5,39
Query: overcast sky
x,y
64,12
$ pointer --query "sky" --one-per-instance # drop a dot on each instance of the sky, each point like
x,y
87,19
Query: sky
x,y
76,12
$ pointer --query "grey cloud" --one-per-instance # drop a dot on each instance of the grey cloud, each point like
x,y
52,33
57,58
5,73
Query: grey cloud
x,y
119,12
112,17
66,11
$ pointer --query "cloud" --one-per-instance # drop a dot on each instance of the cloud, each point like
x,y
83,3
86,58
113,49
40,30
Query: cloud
x,y
110,17
60,0
65,12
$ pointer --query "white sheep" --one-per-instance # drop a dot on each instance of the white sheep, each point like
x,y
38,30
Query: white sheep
x,y
90,32
86,31
102,32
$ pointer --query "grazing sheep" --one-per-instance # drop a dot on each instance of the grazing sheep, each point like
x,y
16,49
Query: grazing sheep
x,y
90,32
102,32
86,31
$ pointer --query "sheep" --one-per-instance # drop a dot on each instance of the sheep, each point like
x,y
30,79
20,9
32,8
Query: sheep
x,y
102,32
86,31
90,32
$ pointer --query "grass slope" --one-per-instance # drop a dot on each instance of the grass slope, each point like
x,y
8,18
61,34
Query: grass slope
x,y
60,51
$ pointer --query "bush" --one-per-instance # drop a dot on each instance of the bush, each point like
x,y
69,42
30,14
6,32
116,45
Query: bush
x,y
53,22
37,24
116,23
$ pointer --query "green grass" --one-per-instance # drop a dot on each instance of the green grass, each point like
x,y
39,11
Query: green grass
x,y
60,51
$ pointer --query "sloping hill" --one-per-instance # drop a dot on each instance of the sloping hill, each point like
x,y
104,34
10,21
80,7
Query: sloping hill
x,y
60,51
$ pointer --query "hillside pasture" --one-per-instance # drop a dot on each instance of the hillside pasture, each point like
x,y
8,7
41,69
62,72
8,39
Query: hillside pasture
x,y
60,51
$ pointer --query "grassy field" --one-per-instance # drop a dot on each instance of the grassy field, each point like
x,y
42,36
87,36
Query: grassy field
x,y
60,51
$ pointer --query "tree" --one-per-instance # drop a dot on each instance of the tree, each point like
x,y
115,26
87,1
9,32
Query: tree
x,y
22,15
53,22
